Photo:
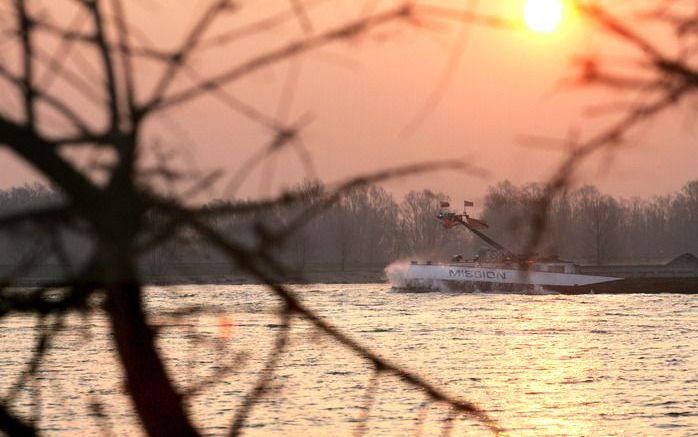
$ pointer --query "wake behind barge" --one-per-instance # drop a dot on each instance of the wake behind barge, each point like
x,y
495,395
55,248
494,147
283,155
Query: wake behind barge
x,y
499,270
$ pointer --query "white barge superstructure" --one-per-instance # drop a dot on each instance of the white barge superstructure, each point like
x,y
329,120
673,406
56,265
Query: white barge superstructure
x,y
474,276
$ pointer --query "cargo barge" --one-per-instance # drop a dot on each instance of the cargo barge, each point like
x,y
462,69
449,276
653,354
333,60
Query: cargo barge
x,y
499,270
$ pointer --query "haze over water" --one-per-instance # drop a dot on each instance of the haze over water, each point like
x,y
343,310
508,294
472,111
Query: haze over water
x,y
540,365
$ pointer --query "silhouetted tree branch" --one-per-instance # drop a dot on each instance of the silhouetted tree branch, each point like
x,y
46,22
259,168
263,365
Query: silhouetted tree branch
x,y
117,207
116,211
663,83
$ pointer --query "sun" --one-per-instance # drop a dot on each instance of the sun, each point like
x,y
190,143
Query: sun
x,y
543,15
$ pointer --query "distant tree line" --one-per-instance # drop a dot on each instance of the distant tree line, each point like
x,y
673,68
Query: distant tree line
x,y
369,227
587,226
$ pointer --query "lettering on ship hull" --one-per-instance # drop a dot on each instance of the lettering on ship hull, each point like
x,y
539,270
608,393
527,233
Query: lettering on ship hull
x,y
476,274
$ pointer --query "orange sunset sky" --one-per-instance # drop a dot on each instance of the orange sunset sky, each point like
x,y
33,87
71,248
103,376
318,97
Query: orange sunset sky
x,y
359,96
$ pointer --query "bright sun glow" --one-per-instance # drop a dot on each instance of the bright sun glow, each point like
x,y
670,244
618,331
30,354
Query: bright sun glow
x,y
543,15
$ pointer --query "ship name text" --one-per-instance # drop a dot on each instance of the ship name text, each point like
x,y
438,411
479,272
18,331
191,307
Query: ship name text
x,y
476,274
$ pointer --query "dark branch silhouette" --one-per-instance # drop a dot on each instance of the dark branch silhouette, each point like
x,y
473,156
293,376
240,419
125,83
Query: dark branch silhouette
x,y
117,207
121,213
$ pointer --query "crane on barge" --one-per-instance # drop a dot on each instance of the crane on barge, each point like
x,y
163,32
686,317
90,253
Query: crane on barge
x,y
449,219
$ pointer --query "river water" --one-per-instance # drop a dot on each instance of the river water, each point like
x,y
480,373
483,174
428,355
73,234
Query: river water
x,y
538,364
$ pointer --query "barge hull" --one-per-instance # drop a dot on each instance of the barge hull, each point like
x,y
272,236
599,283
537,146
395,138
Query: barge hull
x,y
636,285
621,286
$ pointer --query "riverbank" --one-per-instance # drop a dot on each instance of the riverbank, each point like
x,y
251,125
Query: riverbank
x,y
308,277
223,274
213,273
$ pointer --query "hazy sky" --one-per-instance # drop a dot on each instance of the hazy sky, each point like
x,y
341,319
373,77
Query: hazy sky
x,y
360,95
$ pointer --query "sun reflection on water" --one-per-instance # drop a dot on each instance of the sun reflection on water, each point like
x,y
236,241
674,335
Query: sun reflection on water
x,y
540,365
